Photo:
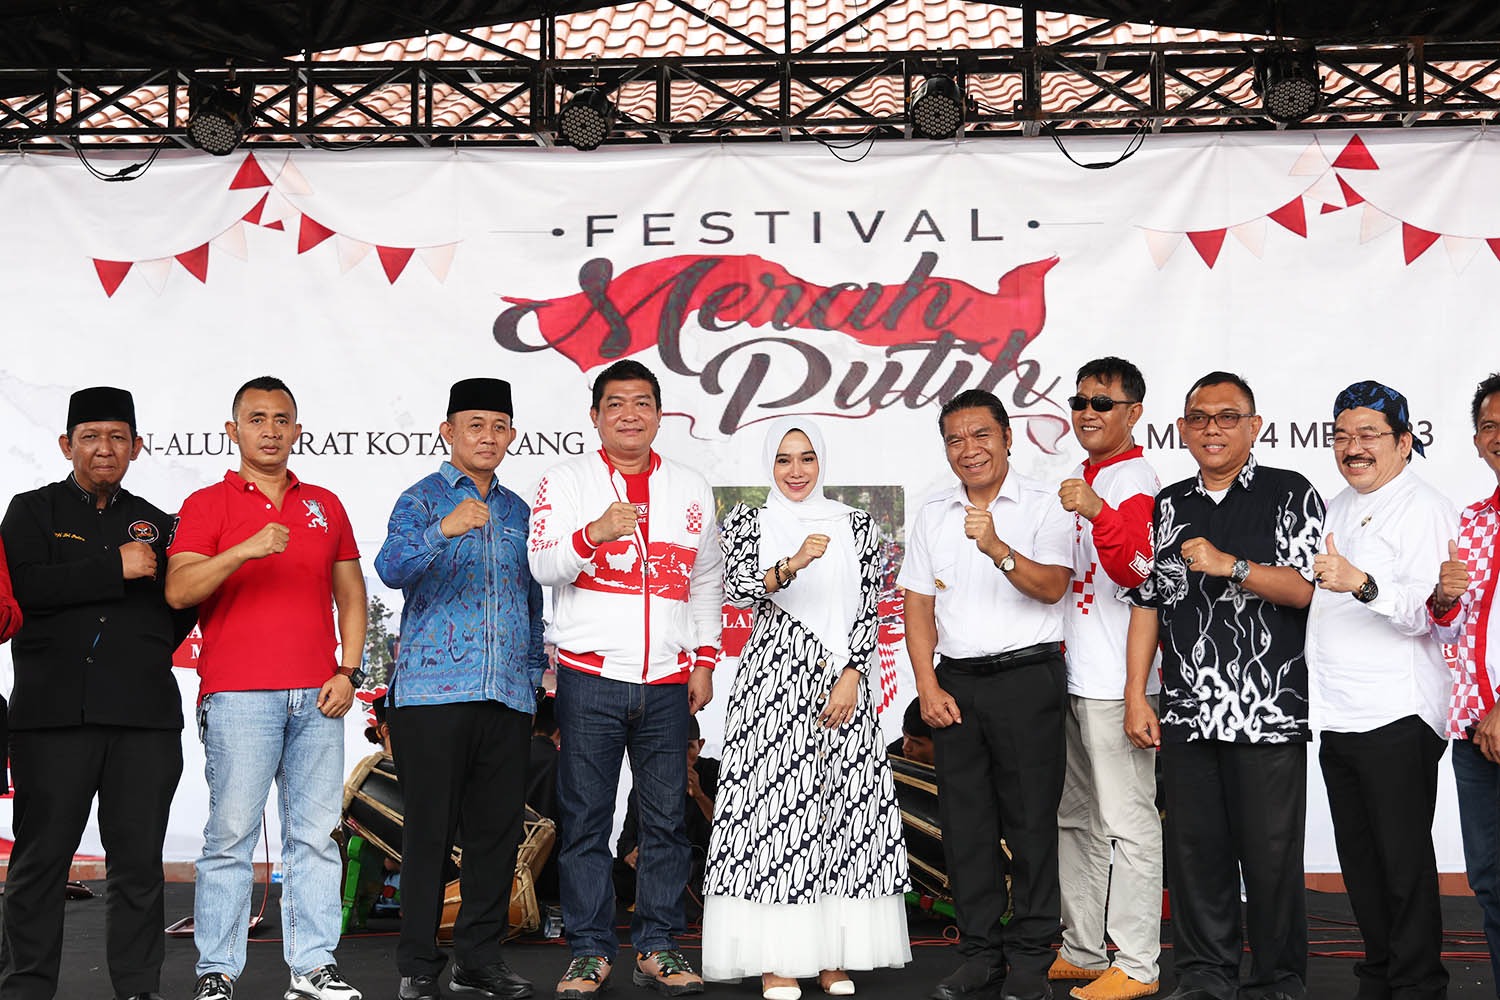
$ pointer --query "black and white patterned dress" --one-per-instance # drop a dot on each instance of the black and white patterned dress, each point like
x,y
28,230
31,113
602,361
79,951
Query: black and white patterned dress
x,y
806,863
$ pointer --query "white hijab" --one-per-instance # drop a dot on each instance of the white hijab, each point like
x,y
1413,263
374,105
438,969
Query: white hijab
x,y
825,596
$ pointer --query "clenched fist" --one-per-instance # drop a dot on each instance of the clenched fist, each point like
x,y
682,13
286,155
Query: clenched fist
x,y
813,547
268,541
138,560
1079,497
980,526
469,514
617,521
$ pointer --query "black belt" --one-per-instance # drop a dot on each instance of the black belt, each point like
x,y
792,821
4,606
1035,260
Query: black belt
x,y
1011,660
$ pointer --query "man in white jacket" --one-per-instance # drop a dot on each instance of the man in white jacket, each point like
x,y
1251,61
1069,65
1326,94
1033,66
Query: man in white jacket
x,y
628,543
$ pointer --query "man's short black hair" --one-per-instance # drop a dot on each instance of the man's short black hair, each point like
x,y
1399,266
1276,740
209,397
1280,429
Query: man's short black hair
x,y
1110,368
1221,378
975,399
544,723
1487,388
266,383
912,724
694,733
626,371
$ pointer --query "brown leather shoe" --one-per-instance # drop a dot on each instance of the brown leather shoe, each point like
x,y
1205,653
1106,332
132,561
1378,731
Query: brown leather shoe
x,y
668,972
1114,985
587,976
1064,969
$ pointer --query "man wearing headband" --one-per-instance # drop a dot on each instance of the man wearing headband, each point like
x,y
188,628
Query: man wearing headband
x,y
1227,597
1108,826
268,558
1380,688
627,541
462,694
1460,607
95,708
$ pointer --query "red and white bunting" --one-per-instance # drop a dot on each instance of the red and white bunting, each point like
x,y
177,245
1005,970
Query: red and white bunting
x,y
1208,244
438,260
232,242
290,181
1461,251
1162,246
111,273
1252,235
351,252
156,272
1373,222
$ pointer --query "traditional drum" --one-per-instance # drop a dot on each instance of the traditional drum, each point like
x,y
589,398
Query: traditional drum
x,y
916,792
538,836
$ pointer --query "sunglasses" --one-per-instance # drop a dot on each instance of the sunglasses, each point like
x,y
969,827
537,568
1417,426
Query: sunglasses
x,y
1099,404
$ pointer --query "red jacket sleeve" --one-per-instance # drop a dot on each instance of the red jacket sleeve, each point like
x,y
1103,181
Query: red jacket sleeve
x,y
10,611
1122,537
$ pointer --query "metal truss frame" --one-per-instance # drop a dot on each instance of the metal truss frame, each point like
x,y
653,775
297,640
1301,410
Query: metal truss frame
x,y
765,94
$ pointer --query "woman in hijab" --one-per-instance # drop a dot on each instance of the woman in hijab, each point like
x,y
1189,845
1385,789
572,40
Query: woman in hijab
x,y
806,863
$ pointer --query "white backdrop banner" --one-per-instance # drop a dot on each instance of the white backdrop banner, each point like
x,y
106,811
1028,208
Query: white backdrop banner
x,y
758,282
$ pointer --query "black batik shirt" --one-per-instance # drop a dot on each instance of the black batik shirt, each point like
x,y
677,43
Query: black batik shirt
x,y
94,648
1232,664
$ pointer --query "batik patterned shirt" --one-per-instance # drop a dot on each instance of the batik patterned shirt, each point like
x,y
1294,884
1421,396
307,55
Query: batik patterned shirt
x,y
1232,662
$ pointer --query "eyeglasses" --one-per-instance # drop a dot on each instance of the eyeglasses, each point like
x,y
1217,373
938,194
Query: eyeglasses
x,y
1227,420
1366,439
1099,404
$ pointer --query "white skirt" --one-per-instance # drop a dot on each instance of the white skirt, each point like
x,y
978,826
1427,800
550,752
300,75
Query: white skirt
x,y
741,938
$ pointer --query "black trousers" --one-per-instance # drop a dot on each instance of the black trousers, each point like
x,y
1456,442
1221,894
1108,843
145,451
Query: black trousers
x,y
57,773
1237,810
1000,776
462,769
1382,789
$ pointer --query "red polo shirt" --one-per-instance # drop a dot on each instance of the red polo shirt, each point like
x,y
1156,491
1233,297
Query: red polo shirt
x,y
269,626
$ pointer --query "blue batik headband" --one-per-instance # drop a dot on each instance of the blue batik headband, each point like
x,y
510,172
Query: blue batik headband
x,y
1383,398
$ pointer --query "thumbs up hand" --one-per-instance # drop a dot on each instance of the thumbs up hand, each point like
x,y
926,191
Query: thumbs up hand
x,y
1453,580
1332,571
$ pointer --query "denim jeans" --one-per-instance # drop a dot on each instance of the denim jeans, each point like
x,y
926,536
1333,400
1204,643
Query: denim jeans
x,y
1478,783
600,719
250,737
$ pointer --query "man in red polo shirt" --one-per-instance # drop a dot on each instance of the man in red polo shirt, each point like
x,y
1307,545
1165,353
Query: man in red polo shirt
x,y
266,558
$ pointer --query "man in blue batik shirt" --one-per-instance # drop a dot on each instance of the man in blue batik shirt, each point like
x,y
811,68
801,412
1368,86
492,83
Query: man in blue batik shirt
x,y
462,693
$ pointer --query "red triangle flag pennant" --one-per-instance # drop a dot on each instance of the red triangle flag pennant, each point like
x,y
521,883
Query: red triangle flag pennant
x,y
250,175
393,259
1351,196
1208,244
196,262
111,273
1291,216
1356,156
1329,208
1494,245
1415,241
276,225
253,216
311,234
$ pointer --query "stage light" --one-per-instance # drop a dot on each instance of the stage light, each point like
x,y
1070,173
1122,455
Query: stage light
x,y
219,119
1287,81
585,120
936,108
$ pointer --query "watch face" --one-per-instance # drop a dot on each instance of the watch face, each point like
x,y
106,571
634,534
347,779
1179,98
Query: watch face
x,y
1008,563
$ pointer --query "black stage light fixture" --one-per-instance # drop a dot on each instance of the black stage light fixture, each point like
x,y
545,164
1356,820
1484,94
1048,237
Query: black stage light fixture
x,y
218,119
585,120
936,108
1287,81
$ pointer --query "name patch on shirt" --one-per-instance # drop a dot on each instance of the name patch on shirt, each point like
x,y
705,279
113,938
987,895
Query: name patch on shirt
x,y
69,535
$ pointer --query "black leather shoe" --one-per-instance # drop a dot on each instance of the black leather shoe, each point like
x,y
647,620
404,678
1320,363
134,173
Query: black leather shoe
x,y
494,980
419,988
1044,993
1191,993
143,996
975,978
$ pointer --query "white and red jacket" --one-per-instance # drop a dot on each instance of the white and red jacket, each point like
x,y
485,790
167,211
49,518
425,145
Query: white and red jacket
x,y
618,612
1470,624
1111,553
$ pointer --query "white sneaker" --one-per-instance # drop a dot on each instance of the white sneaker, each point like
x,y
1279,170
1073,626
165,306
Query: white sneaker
x,y
323,983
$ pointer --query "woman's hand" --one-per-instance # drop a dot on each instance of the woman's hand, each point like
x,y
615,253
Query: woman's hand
x,y
839,708
813,547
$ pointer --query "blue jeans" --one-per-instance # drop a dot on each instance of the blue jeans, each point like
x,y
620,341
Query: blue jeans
x,y
1479,820
600,719
250,737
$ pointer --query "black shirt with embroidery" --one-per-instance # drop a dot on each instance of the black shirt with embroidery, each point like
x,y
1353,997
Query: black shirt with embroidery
x,y
1232,664
95,648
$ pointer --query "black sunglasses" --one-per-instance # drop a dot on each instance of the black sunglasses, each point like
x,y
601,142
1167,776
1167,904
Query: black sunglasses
x,y
1100,404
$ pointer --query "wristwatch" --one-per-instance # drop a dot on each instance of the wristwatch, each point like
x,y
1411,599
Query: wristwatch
x,y
356,676
1367,591
1007,563
1240,571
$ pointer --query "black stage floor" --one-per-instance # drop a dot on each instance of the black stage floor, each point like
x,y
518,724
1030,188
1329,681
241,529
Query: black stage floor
x,y
368,959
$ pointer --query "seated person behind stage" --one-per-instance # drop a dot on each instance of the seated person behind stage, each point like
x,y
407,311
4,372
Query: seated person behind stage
x,y
916,736
702,785
541,786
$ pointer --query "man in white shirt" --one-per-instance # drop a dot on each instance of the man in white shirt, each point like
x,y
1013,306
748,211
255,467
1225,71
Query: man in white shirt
x,y
1380,689
986,564
1109,830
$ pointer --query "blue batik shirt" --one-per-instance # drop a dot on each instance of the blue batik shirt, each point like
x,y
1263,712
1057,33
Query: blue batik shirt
x,y
471,629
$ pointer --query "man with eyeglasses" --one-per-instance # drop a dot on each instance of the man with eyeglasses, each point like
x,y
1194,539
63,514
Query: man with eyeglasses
x,y
1460,607
1109,794
1380,688
1227,596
